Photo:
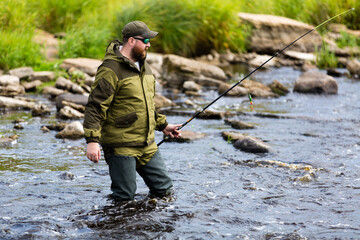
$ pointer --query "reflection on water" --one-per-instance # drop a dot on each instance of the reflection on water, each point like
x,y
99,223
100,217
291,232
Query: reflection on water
x,y
308,186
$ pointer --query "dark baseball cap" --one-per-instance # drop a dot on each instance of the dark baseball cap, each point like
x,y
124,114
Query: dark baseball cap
x,y
138,28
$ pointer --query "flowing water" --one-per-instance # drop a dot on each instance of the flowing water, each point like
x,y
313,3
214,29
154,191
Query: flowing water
x,y
308,186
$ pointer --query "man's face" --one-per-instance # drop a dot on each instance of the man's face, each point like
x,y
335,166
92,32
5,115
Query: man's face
x,y
138,52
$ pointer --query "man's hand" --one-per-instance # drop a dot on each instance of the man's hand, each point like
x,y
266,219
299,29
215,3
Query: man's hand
x,y
93,152
172,130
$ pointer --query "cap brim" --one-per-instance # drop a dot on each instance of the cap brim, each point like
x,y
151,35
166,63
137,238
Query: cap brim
x,y
150,34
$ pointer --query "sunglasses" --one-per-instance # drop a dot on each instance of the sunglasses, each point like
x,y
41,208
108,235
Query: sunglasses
x,y
144,40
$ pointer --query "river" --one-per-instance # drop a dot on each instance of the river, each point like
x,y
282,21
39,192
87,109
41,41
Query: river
x,y
220,192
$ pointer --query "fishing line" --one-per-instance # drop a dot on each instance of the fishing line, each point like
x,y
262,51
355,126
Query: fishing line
x,y
248,75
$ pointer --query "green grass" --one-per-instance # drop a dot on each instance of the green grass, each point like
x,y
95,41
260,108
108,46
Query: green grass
x,y
325,58
188,28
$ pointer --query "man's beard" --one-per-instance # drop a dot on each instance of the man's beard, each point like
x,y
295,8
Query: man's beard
x,y
138,54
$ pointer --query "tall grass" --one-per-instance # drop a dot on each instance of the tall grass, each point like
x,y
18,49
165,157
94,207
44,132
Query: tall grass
x,y
188,27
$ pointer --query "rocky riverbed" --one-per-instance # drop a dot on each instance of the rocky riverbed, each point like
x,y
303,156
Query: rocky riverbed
x,y
284,168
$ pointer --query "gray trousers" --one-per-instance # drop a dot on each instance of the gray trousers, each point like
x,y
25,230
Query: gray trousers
x,y
122,170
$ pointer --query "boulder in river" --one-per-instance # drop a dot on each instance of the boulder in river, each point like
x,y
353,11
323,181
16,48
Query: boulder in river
x,y
237,91
316,82
87,65
68,112
177,70
272,33
246,143
74,98
73,130
40,110
187,136
162,101
8,141
44,76
239,124
7,102
354,67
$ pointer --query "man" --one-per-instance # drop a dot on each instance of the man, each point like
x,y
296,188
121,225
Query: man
x,y
120,115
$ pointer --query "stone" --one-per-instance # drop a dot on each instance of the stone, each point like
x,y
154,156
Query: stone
x,y
75,106
354,67
49,43
72,130
67,176
177,70
53,91
252,145
260,59
8,80
12,90
67,84
87,65
316,82
278,88
68,112
22,73
258,89
7,102
162,101
31,86
300,55
237,91
191,86
7,142
187,136
239,124
273,33
74,98
40,110
44,76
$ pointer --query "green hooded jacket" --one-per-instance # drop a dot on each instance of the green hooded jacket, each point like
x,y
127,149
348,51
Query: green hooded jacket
x,y
121,110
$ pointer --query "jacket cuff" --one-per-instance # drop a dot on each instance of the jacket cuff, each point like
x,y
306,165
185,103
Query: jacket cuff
x,y
92,139
162,126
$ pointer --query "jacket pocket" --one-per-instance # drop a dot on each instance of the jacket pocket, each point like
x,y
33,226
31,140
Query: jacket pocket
x,y
126,121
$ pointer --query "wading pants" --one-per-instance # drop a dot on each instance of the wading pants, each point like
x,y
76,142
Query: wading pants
x,y
123,170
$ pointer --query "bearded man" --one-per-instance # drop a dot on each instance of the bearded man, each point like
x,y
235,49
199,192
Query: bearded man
x,y
120,116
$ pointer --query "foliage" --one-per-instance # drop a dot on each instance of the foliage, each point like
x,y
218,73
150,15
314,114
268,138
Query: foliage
x,y
325,58
347,40
186,28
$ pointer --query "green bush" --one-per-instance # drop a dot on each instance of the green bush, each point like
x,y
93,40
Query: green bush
x,y
325,58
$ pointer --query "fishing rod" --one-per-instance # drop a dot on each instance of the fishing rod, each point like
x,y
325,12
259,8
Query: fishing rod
x,y
276,54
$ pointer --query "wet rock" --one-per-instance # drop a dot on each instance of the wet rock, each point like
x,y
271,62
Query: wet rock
x,y
75,106
18,126
206,81
251,144
191,86
209,114
44,129
12,90
7,102
8,80
31,86
310,57
354,67
44,76
40,110
177,70
246,143
272,33
74,98
56,126
19,120
68,112
258,89
66,84
87,65
22,73
162,101
316,82
278,88
67,176
155,61
187,136
8,141
260,59
73,130
237,91
333,72
54,92
239,124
